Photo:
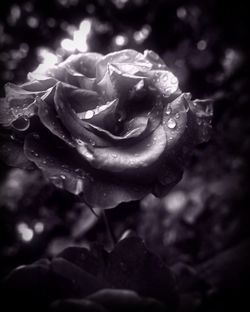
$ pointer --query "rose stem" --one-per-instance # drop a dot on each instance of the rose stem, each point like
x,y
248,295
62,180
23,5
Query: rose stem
x,y
109,228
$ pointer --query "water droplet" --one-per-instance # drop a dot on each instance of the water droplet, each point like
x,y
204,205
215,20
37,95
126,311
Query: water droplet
x,y
21,123
63,176
79,142
89,114
171,123
168,110
114,155
57,181
139,85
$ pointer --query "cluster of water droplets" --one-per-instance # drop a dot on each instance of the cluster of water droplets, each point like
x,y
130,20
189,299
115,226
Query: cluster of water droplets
x,y
171,122
91,113
166,82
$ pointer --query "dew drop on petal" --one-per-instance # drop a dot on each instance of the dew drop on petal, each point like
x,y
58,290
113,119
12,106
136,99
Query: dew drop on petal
x,y
89,114
168,110
57,181
171,123
21,123
79,142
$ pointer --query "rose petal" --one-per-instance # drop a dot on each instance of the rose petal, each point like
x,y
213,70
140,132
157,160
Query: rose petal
x,y
11,152
76,126
36,85
57,164
140,155
76,79
164,81
134,130
66,171
183,132
6,114
20,99
83,100
155,60
102,116
48,117
175,121
123,56
121,76
106,88
84,63
78,70
123,81
17,102
107,193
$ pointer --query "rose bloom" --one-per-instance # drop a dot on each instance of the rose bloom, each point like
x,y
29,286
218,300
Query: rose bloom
x,y
110,128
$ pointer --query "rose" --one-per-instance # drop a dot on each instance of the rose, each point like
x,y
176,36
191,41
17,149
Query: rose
x,y
109,128
130,276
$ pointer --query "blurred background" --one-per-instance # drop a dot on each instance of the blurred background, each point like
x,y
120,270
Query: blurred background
x,y
206,44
